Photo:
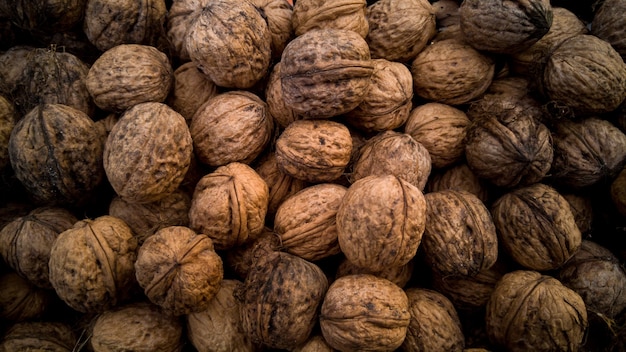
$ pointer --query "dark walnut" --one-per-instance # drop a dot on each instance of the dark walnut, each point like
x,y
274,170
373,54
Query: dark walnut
x,y
180,16
458,177
315,343
231,127
280,299
91,264
278,14
229,205
582,208
314,150
129,74
230,41
52,336
53,154
148,152
399,275
282,114
618,192
8,117
43,16
240,259
12,66
380,222
179,270
400,29
529,311
320,14
325,72
364,312
20,300
191,90
608,24
460,237
25,242
536,227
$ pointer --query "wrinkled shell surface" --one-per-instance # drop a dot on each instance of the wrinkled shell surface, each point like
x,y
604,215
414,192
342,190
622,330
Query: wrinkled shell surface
x,y
43,16
278,14
7,122
315,343
39,336
20,300
320,14
282,114
582,208
618,192
180,16
191,90
460,178
399,275
608,24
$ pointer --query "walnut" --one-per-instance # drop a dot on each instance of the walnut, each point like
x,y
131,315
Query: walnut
x,y
191,90
458,177
41,16
278,14
240,259
315,343
20,300
582,208
180,16
53,336
282,114
12,66
608,24
320,14
399,275
7,122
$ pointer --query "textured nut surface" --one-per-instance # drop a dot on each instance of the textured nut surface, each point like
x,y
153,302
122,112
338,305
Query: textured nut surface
x,y
460,178
7,122
319,14
278,14
191,90
315,343
582,208
282,114
399,275
608,25
39,336
180,16
618,192
44,15
20,300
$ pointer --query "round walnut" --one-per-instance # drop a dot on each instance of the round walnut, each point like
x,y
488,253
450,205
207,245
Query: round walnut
x,y
529,311
435,325
586,152
231,127
147,153
451,72
446,13
12,66
399,275
129,74
20,300
320,14
278,14
7,122
241,258
618,192
180,16
595,273
53,336
91,264
282,114
230,41
504,27
536,227
325,72
314,150
108,23
441,129
582,208
139,327
364,312
306,221
608,24
191,89
387,104
43,16
380,222
280,299
53,154
26,241
315,343
393,153
229,205
460,237
458,177
400,29
179,270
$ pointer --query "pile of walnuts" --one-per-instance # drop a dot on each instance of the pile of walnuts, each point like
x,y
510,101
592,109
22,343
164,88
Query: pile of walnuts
x,y
350,175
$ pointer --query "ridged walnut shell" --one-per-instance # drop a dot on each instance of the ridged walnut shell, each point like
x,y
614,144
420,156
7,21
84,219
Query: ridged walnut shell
x,y
315,343
282,114
325,72
191,90
608,24
180,16
278,14
529,311
583,210
20,300
458,177
399,275
380,222
7,122
50,336
320,14
618,192
44,16
536,227
91,264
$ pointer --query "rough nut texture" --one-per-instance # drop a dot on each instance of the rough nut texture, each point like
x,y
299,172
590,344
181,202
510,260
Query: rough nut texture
x,y
400,29
533,312
380,222
191,90
282,114
230,42
148,152
20,300
231,127
129,74
180,16
315,343
504,27
39,336
91,264
179,270
280,299
44,16
53,154
140,327
399,275
618,192
536,227
229,205
325,72
608,24
26,241
458,177
583,210
364,313
314,150
307,221
278,14
7,122
320,14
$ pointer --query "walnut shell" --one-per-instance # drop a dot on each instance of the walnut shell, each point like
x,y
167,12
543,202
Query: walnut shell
x,y
325,72
460,236
282,114
12,66
20,300
608,24
529,311
231,127
7,122
306,221
52,336
399,275
179,270
278,14
91,264
180,16
380,222
320,14
230,41
140,327
42,16
129,74
536,227
280,299
240,259
148,152
441,129
387,104
25,242
229,205
451,72
314,150
70,168
393,153
458,177
582,208
364,312
315,343
618,192
400,29
191,90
